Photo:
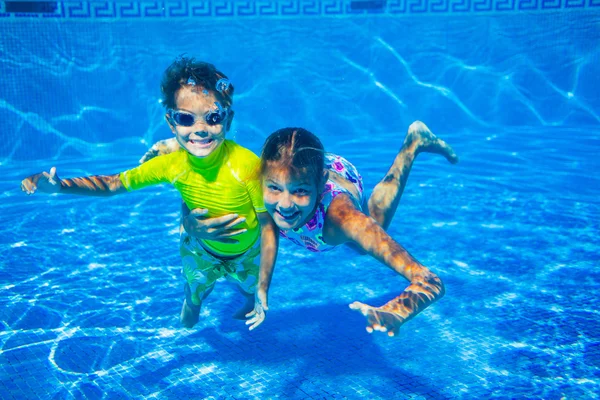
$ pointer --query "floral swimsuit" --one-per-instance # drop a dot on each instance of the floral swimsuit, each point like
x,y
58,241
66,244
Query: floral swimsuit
x,y
310,235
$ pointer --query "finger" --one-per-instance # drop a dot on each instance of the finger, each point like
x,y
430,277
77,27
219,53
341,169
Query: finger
x,y
251,313
49,178
235,222
394,331
219,221
52,172
363,308
224,240
26,185
198,212
232,233
253,320
257,323
369,329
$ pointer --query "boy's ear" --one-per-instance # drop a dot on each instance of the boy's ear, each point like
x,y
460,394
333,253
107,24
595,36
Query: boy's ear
x,y
170,122
229,120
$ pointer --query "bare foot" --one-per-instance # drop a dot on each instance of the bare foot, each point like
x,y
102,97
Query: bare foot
x,y
190,315
426,142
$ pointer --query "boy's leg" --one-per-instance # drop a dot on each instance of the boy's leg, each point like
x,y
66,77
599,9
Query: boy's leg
x,y
201,270
190,312
386,195
248,305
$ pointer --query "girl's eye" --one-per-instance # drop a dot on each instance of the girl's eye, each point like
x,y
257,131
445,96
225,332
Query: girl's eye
x,y
301,192
273,188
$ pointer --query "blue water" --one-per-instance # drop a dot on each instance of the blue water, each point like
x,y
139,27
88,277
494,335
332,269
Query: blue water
x,y
90,289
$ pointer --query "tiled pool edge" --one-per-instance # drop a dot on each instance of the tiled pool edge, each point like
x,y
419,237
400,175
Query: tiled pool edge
x,y
152,10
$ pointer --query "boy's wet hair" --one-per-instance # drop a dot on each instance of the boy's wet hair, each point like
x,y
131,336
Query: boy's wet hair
x,y
297,150
203,74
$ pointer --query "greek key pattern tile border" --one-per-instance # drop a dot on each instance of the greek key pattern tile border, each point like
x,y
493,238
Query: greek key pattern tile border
x,y
278,8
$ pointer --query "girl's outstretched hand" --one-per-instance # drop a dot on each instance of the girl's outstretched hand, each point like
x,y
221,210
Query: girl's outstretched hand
x,y
159,148
378,319
257,316
47,182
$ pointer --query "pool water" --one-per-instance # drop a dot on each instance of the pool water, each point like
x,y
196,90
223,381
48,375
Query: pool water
x,y
90,289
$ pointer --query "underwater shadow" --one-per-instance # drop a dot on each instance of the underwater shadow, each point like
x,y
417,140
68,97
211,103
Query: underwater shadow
x,y
311,345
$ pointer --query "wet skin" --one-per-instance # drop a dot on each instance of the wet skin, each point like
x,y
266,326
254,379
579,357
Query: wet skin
x,y
291,203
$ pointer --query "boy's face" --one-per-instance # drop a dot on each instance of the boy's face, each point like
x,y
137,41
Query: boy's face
x,y
201,139
290,201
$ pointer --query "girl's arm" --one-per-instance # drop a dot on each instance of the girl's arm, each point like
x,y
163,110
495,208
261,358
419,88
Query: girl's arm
x,y
159,148
269,243
222,229
345,223
97,185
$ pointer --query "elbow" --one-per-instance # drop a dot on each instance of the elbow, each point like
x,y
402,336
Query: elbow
x,y
442,289
435,285
439,286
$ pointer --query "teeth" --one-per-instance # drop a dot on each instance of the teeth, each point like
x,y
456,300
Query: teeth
x,y
288,216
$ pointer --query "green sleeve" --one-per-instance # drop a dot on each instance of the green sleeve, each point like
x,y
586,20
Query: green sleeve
x,y
149,173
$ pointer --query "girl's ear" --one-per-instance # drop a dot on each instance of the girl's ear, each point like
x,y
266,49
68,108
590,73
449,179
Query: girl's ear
x,y
229,120
325,177
170,122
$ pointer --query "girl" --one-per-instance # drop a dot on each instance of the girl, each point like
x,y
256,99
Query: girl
x,y
316,201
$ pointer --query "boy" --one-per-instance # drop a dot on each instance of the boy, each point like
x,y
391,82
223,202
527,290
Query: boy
x,y
211,173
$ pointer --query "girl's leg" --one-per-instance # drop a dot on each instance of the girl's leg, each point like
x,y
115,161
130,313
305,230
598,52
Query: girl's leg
x,y
386,195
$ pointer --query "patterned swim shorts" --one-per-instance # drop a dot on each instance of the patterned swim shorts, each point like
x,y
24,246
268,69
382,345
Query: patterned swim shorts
x,y
201,269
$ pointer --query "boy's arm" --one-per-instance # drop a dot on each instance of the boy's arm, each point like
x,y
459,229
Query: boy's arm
x,y
269,243
345,223
97,185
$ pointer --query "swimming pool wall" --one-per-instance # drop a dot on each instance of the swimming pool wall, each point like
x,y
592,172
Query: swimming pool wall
x,y
82,78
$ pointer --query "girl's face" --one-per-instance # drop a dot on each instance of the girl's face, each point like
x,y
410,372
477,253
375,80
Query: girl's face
x,y
290,201
199,139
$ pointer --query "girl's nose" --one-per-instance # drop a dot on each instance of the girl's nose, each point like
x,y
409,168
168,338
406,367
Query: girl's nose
x,y
285,201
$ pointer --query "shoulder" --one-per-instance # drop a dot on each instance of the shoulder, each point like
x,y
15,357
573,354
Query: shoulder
x,y
242,159
241,152
342,219
166,162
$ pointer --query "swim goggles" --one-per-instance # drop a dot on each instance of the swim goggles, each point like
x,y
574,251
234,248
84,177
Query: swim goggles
x,y
184,118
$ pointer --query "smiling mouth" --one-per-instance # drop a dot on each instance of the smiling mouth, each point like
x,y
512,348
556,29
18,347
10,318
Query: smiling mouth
x,y
201,142
288,217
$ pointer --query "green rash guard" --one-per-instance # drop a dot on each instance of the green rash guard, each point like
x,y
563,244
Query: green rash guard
x,y
225,182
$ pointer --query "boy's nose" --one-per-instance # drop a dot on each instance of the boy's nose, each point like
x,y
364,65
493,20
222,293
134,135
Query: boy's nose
x,y
202,134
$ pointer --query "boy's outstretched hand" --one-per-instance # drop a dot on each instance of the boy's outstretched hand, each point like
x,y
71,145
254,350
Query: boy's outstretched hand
x,y
47,182
257,316
379,319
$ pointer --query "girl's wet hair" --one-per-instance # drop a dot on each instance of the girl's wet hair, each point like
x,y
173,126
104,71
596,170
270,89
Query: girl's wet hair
x,y
296,150
185,70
